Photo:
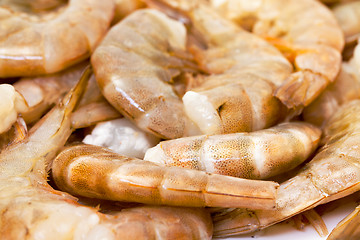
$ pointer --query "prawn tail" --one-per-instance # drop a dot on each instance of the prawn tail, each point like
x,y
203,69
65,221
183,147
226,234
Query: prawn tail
x,y
45,138
301,88
229,222
348,228
70,101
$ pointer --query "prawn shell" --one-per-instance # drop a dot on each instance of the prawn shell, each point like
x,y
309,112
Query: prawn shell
x,y
333,173
34,47
31,209
256,155
312,46
132,67
95,172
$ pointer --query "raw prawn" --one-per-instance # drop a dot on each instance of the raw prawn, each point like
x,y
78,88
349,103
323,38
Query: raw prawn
x,y
345,88
125,7
34,44
333,173
95,172
244,70
36,6
348,16
256,155
12,103
93,113
238,96
41,93
16,133
305,31
331,2
348,228
133,66
31,209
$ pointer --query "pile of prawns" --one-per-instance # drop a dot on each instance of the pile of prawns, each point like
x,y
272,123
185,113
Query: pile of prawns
x,y
240,92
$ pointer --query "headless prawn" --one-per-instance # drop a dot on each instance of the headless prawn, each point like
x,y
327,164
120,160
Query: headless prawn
x,y
333,173
256,155
314,49
42,44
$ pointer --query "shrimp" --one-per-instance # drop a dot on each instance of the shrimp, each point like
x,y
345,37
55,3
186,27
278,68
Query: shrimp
x,y
237,96
125,7
34,5
76,170
42,92
348,228
133,66
93,113
34,44
12,103
31,209
348,16
336,1
333,173
255,155
16,133
345,88
305,31
161,222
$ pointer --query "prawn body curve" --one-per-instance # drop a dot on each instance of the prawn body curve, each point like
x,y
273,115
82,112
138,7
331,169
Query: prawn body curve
x,y
34,44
